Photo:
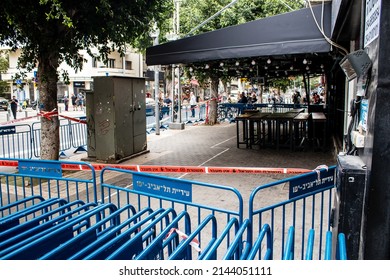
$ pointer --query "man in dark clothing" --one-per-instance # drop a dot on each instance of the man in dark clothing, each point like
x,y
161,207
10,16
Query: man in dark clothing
x,y
14,106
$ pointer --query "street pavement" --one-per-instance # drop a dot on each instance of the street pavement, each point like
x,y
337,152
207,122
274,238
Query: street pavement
x,y
216,146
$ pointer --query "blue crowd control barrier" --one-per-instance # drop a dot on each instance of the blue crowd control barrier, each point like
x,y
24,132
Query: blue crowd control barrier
x,y
34,247
58,216
256,248
20,204
164,240
141,232
307,205
16,141
44,228
239,246
110,235
328,246
32,211
48,178
35,222
310,245
88,236
289,250
211,253
184,250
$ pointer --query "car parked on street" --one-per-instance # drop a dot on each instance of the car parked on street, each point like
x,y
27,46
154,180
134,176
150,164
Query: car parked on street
x,y
3,103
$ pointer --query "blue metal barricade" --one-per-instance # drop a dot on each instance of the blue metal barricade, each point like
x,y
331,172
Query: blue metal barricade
x,y
52,221
19,204
36,246
31,212
64,133
308,205
51,211
148,190
87,237
46,178
125,227
78,135
16,141
46,217
132,242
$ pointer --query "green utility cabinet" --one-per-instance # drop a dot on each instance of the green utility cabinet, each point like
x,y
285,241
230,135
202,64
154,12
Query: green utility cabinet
x,y
116,119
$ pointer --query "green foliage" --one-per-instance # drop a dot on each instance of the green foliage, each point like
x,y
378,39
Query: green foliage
x,y
194,13
59,28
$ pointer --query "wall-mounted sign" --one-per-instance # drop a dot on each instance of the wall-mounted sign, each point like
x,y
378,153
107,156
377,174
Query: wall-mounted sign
x,y
371,21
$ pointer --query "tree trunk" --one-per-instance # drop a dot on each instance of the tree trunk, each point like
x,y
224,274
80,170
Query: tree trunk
x,y
213,101
47,85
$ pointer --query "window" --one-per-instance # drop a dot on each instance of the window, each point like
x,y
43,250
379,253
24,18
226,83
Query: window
x,y
128,65
111,63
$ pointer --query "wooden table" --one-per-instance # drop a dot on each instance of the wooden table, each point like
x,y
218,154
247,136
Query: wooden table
x,y
280,128
300,130
257,132
244,138
319,123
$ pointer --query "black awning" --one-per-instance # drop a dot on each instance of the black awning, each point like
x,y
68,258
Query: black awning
x,y
290,33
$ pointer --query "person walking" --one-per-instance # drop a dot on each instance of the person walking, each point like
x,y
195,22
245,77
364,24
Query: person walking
x,y
14,106
192,104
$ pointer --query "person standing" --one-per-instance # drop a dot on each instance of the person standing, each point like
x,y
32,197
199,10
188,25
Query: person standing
x,y
14,106
192,104
74,104
66,103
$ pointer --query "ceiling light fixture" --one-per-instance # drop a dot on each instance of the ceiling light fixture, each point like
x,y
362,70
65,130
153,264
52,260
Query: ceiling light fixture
x,y
253,62
269,61
221,64
304,61
206,66
237,63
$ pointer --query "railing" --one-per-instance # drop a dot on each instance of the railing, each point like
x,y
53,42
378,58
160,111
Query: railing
x,y
48,212
307,205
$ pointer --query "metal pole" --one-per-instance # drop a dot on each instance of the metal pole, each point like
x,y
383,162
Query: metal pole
x,y
156,86
179,93
173,95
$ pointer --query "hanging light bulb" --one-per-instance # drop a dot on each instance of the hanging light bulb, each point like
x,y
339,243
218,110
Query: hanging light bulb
x,y
307,68
291,67
237,63
221,64
269,61
253,62
322,66
207,66
304,61
191,69
277,67
265,67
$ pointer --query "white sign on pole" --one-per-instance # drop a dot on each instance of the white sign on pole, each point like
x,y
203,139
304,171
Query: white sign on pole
x,y
372,19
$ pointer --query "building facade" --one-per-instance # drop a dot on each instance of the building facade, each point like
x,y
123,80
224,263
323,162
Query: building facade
x,y
130,65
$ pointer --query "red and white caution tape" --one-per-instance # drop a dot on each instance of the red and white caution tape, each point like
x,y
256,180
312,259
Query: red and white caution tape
x,y
194,243
45,114
178,169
